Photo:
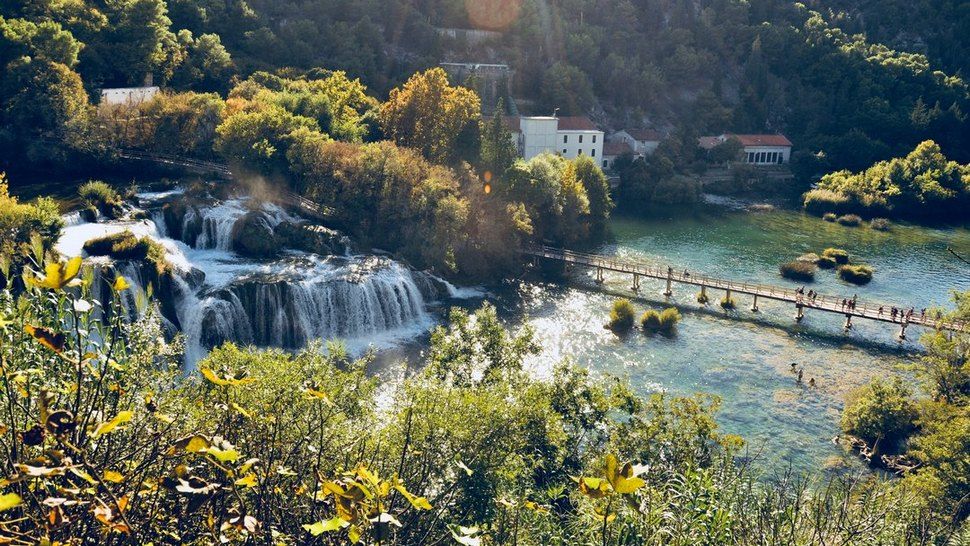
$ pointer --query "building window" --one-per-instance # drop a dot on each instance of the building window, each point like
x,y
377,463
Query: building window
x,y
565,139
593,152
750,157
563,151
579,152
781,158
594,139
580,139
606,164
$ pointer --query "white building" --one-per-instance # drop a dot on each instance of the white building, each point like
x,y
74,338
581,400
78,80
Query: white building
x,y
570,136
127,96
643,142
760,150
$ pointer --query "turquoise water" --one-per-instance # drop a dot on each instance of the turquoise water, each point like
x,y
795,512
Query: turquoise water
x,y
743,357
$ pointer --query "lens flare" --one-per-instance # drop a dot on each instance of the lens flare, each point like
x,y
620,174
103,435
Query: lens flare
x,y
492,14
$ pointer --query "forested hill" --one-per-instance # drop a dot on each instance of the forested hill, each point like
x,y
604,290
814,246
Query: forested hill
x,y
686,67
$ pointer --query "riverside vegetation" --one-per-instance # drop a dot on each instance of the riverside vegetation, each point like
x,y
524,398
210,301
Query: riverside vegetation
x,y
103,441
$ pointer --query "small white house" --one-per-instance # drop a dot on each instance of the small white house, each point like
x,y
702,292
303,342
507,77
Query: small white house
x,y
761,150
128,96
569,136
644,142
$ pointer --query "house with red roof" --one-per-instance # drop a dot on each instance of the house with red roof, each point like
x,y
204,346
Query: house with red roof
x,y
762,150
643,141
568,136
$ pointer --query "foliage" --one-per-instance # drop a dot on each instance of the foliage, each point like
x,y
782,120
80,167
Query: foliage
x,y
427,114
499,150
660,321
851,220
728,303
880,224
275,447
855,274
881,412
829,217
799,270
174,123
99,194
622,316
840,256
24,227
826,262
923,183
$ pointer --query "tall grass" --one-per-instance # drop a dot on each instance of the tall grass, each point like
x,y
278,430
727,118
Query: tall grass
x,y
850,220
660,321
839,255
798,270
856,274
622,316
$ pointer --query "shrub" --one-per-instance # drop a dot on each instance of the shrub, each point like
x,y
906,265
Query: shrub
x,y
811,257
702,298
826,262
650,321
856,274
850,220
727,302
829,217
879,224
660,321
125,246
669,318
798,270
840,256
820,201
621,316
98,193
880,411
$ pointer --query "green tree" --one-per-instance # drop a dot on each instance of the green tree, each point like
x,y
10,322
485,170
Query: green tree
x,y
597,189
431,116
881,413
499,149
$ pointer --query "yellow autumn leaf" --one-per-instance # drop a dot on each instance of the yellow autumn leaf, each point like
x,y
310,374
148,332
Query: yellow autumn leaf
x,y
242,411
57,274
325,526
9,500
121,284
112,476
223,455
120,419
249,480
47,337
224,381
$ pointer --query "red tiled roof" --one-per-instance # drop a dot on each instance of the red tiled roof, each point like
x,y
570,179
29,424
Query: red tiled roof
x,y
576,123
616,148
762,140
514,123
645,135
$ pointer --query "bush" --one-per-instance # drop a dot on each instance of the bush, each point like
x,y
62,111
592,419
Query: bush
x,y
798,270
826,262
810,257
840,256
856,274
727,302
820,201
125,246
880,411
99,194
879,224
850,220
669,318
829,217
660,321
621,316
650,321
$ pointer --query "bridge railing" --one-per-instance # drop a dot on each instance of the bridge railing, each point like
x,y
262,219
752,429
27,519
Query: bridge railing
x,y
830,303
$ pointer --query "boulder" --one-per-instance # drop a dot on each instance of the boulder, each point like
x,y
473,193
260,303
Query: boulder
x,y
253,236
310,238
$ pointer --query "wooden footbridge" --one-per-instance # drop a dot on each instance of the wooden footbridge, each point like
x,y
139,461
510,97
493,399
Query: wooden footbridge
x,y
830,304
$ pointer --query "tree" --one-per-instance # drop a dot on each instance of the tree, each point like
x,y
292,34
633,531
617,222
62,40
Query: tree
x,y
597,191
566,88
881,412
431,116
43,97
498,147
207,66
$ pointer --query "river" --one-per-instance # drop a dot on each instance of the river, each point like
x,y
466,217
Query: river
x,y
743,357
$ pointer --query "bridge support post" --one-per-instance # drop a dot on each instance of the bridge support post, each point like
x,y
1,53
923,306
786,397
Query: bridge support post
x,y
902,331
799,312
848,322
669,291
599,275
754,304
636,282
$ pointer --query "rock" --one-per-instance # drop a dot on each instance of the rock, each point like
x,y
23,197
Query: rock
x,y
182,221
253,236
310,238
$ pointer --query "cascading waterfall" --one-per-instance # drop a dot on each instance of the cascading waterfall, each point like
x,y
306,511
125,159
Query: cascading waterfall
x,y
287,302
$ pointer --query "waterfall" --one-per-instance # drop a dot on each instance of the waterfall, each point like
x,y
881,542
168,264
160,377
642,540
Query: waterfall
x,y
216,295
